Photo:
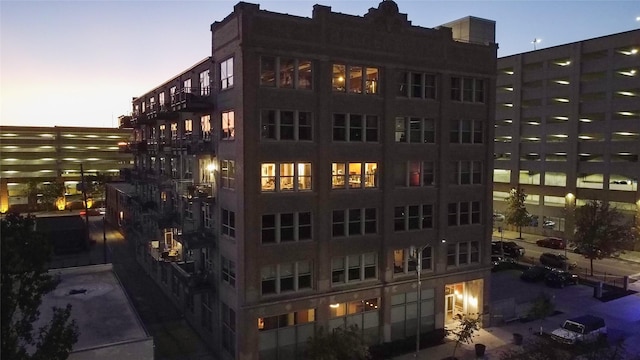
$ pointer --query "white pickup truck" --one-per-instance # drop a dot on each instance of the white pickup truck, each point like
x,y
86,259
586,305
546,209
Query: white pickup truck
x,y
586,328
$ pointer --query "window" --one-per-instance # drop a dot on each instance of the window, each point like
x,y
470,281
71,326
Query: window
x,y
188,128
205,83
413,217
467,90
292,73
361,80
355,127
466,173
228,271
417,85
284,336
229,223
415,173
172,94
404,261
226,74
463,213
354,222
360,175
286,227
280,177
161,100
354,268
467,132
463,253
228,125
228,173
415,130
362,313
286,125
186,86
287,277
205,127
228,329
208,216
174,131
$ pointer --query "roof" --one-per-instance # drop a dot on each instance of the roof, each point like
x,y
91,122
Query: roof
x,y
109,325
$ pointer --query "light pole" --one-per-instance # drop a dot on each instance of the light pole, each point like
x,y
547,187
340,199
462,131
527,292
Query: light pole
x,y
569,205
416,253
535,41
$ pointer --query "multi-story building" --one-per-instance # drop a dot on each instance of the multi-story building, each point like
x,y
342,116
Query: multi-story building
x,y
281,184
41,155
568,129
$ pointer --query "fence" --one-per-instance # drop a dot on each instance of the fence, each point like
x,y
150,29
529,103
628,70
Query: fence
x,y
585,274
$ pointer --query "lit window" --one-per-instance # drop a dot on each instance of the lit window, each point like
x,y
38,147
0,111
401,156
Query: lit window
x,y
288,177
228,125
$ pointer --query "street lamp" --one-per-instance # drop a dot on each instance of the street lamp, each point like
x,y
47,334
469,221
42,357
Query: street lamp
x,y
416,253
569,202
536,41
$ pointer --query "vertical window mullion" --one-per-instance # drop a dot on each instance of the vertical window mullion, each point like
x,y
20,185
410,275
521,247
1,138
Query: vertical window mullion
x,y
277,226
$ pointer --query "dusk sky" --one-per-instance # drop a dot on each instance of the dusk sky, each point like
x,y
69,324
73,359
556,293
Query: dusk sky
x,y
79,63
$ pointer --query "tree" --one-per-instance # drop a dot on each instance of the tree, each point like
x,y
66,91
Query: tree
x,y
541,308
517,214
464,331
339,344
51,192
25,281
31,191
600,231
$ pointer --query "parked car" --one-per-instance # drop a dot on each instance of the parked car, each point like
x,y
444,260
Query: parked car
x,y
498,217
535,273
560,278
548,224
510,248
551,242
91,212
584,250
502,262
557,261
586,328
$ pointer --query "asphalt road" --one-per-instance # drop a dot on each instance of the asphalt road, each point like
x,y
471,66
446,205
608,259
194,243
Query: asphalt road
x,y
610,266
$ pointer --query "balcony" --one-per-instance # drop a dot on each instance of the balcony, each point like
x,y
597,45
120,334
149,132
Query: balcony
x,y
199,191
193,239
199,147
168,220
192,100
138,147
194,280
141,118
162,112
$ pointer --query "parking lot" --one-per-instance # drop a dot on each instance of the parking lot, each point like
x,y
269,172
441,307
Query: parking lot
x,y
622,315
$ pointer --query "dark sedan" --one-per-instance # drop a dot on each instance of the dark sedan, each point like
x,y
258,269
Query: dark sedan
x,y
560,278
535,273
551,242
507,248
503,263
